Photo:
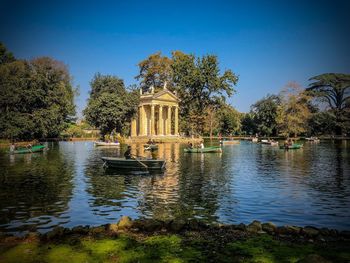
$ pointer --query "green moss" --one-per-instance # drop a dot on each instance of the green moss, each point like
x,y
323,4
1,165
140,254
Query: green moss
x,y
66,253
170,248
27,252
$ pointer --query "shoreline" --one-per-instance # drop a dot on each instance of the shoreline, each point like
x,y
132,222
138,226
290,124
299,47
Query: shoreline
x,y
182,241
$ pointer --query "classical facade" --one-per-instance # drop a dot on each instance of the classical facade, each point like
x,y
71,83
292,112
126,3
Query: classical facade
x,y
157,114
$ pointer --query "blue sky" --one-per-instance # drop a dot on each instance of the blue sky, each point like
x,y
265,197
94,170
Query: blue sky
x,y
266,43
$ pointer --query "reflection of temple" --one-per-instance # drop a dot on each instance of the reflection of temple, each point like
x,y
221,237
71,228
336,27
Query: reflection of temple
x,y
157,115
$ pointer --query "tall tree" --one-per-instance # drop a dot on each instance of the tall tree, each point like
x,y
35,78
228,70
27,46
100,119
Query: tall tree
x,y
294,112
230,120
265,113
155,71
199,84
334,89
110,106
36,98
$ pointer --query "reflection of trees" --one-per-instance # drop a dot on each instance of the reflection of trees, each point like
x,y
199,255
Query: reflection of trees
x,y
34,185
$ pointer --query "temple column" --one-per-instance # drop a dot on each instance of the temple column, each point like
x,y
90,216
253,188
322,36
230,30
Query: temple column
x,y
160,124
141,121
152,120
169,121
133,127
176,132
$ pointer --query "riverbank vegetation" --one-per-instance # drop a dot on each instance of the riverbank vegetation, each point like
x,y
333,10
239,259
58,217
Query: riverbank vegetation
x,y
37,100
178,241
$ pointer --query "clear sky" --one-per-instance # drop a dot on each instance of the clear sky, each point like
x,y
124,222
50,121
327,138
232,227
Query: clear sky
x,y
267,43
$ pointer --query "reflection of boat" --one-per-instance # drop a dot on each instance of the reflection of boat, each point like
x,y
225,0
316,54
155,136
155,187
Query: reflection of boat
x,y
151,146
229,142
293,146
134,164
268,142
113,144
212,149
32,149
313,139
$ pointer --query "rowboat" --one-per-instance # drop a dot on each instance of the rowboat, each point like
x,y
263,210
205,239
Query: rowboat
x,y
134,164
230,142
32,149
293,146
255,139
212,149
112,144
313,139
150,146
268,142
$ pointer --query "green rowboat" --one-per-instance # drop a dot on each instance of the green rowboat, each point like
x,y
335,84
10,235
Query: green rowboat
x,y
212,149
133,164
35,148
293,146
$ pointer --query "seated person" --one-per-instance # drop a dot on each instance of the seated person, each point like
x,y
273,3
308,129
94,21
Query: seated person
x,y
149,141
127,153
189,145
201,145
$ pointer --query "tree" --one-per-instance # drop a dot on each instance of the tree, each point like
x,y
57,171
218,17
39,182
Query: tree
x,y
36,98
5,56
155,71
110,106
334,89
248,125
293,113
322,123
230,120
106,83
265,113
199,84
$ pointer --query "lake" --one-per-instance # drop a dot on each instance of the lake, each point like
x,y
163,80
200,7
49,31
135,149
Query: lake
x,y
68,186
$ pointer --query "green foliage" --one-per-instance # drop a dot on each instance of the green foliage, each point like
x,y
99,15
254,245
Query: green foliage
x,y
5,56
265,114
230,120
155,71
248,124
322,123
110,107
199,85
294,112
36,98
334,89
106,84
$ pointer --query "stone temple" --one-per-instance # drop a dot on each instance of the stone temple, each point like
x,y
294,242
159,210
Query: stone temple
x,y
157,115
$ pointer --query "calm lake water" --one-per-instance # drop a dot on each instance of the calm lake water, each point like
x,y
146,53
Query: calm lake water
x,y
68,186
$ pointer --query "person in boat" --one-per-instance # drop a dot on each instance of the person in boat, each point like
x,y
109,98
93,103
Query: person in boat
x,y
201,145
12,147
149,141
153,142
189,145
127,153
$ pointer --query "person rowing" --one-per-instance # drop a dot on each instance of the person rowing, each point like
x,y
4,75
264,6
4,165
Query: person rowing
x,y
128,154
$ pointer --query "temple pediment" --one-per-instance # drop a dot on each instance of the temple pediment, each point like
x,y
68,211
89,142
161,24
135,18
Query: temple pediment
x,y
165,95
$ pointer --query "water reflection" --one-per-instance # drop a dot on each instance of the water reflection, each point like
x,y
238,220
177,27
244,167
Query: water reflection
x,y
68,186
34,190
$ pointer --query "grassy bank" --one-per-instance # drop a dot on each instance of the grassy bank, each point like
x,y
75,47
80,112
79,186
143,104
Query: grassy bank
x,y
130,242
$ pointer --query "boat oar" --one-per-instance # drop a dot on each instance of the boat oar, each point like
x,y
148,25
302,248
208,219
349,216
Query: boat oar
x,y
140,162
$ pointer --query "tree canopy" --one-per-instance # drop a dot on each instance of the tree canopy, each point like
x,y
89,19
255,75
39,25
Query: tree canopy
x,y
265,113
36,98
110,106
334,89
